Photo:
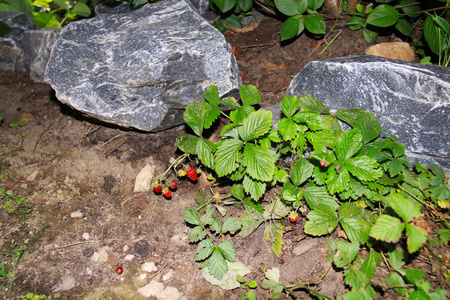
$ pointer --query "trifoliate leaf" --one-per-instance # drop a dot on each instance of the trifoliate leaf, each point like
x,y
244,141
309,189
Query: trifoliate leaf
x,y
204,250
255,125
441,192
416,237
364,168
254,187
212,95
226,156
217,264
197,233
231,225
287,128
321,221
388,229
238,115
191,216
205,153
249,95
260,162
317,197
187,143
250,221
290,105
301,171
403,207
348,144
346,253
227,250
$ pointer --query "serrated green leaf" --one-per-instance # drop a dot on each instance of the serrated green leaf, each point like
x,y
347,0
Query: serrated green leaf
x,y
397,258
313,119
187,143
250,221
290,105
331,124
216,225
260,162
299,142
227,250
355,278
337,182
238,115
416,237
230,101
397,165
414,276
237,191
441,192
211,115
383,16
274,136
314,23
255,125
310,103
403,207
249,95
321,139
43,19
81,9
291,7
217,264
396,280
289,192
276,210
388,229
318,197
225,5
204,250
287,128
359,294
364,168
348,144
194,116
346,253
440,174
212,95
196,234
321,221
250,205
280,175
360,119
191,216
301,171
226,156
254,187
231,225
351,219
369,265
205,153
208,220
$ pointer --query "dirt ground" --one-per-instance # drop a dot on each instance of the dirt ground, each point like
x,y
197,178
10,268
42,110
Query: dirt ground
x,y
84,219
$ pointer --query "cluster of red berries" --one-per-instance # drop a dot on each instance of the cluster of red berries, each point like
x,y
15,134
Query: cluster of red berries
x,y
167,192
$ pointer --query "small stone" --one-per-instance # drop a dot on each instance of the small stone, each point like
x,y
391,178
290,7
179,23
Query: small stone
x,y
143,181
126,248
393,50
76,214
170,293
32,176
168,276
129,257
154,288
67,283
304,247
86,236
101,256
148,267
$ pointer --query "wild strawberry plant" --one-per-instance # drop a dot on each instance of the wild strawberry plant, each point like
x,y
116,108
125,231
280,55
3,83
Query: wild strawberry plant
x,y
354,180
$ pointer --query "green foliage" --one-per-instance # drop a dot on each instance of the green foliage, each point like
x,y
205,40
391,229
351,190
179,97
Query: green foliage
x,y
354,179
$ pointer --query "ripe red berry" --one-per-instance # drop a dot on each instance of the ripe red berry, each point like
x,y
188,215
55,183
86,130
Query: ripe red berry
x,y
293,219
167,193
157,188
119,270
323,163
192,173
173,185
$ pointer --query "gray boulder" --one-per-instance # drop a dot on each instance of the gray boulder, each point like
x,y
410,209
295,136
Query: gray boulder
x,y
40,43
142,68
13,46
411,101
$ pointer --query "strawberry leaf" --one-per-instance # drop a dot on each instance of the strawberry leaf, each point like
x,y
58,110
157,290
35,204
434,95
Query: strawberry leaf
x,y
230,101
337,182
321,139
388,229
276,210
274,233
318,197
197,233
217,265
254,187
355,278
191,216
310,103
301,171
194,116
187,143
348,144
397,165
260,162
227,250
231,225
290,105
249,95
255,125
238,115
211,115
346,253
403,207
313,119
364,168
204,250
360,119
226,156
395,280
321,221
212,95
416,237
205,151
352,222
250,221
287,128
369,265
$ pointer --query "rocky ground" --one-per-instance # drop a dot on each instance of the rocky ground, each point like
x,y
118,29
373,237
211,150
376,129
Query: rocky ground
x,y
76,218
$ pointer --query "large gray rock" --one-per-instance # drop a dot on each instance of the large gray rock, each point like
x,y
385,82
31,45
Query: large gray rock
x,y
40,43
411,101
13,46
142,68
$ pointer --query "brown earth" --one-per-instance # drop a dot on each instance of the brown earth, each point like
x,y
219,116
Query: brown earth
x,y
78,177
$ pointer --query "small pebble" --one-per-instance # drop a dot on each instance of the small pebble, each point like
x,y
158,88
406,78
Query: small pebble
x,y
129,257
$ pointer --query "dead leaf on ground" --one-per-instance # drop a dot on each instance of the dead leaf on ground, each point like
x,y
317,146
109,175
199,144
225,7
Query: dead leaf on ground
x,y
245,29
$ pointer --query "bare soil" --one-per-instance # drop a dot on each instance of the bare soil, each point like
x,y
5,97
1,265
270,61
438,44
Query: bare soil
x,y
85,220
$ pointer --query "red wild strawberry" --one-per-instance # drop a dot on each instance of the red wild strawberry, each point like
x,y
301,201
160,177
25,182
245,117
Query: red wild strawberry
x,y
293,216
119,270
192,173
173,185
323,163
167,193
157,188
